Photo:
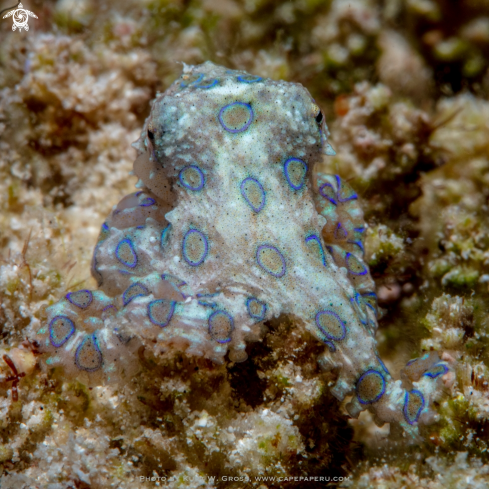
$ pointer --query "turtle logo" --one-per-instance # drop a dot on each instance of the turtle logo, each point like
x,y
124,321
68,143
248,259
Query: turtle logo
x,y
20,17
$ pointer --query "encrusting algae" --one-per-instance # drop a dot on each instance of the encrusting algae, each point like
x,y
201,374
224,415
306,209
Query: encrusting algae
x,y
408,115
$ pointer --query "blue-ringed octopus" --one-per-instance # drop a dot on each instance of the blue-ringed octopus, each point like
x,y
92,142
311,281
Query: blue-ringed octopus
x,y
231,226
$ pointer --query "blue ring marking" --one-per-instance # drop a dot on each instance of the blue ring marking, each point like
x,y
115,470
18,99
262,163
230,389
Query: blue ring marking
x,y
254,301
177,283
183,84
164,236
108,314
366,298
372,325
412,361
340,230
82,303
118,253
362,377
96,348
231,322
410,419
169,314
286,171
270,247
370,294
358,306
338,196
357,243
367,304
204,253
247,123
326,333
147,202
434,375
181,177
172,279
131,293
325,195
384,368
249,78
330,345
314,237
66,336
210,84
347,261
125,272
260,188
206,303
104,232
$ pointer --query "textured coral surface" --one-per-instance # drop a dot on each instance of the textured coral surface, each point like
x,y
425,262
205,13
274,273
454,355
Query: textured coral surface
x,y
403,86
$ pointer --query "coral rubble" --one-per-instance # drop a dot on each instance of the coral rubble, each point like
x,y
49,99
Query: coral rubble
x,y
404,85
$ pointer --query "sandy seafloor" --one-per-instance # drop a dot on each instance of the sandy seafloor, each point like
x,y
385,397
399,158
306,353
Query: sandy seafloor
x,y
404,87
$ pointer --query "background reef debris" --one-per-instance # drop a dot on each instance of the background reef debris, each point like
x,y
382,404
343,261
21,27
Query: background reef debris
x,y
404,86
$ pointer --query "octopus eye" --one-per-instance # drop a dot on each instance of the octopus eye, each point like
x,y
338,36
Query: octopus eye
x,y
319,117
151,135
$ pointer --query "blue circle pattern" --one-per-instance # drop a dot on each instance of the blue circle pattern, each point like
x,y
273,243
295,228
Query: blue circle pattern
x,y
181,177
350,257
170,305
242,128
213,333
80,298
133,291
249,78
125,247
384,368
340,323
368,373
207,84
165,235
314,238
253,181
287,164
436,370
412,418
279,274
90,341
253,301
191,262
148,201
53,336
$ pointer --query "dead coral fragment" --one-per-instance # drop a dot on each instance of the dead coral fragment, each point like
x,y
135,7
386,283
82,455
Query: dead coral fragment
x,y
447,322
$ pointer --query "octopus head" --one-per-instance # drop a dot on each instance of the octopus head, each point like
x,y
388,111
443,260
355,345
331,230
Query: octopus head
x,y
212,116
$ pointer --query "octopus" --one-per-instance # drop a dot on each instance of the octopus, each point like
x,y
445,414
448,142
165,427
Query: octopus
x,y
233,225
